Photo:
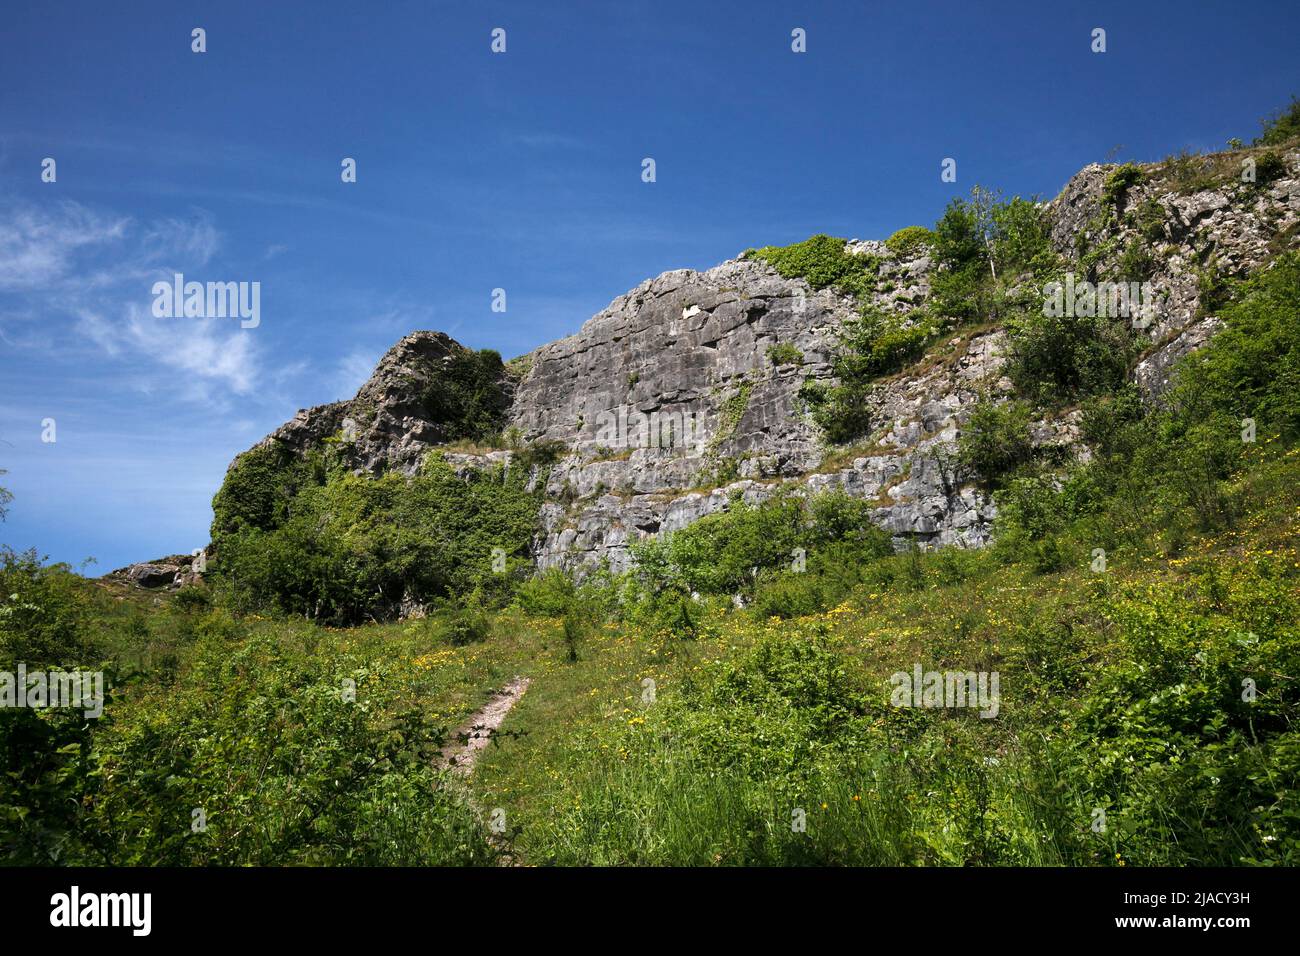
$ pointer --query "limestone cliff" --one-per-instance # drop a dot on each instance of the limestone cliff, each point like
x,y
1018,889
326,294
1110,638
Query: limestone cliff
x,y
685,392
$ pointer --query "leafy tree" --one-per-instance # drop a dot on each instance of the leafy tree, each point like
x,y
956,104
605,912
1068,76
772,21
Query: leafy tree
x,y
1020,239
958,286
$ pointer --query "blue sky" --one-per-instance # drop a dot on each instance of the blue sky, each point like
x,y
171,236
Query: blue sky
x,y
476,171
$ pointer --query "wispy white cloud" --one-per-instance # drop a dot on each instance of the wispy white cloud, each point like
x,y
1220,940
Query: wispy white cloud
x,y
194,241
40,244
97,271
206,357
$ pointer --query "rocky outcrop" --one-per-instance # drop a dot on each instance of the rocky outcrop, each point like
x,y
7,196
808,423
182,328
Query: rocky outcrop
x,y
1192,240
167,573
683,395
402,411
1154,373
659,365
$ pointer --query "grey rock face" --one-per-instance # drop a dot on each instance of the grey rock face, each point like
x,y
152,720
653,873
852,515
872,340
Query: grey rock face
x,y
153,575
906,469
1153,374
668,357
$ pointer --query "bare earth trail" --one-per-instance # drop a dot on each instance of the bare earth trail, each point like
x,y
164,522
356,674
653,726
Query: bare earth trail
x,y
460,752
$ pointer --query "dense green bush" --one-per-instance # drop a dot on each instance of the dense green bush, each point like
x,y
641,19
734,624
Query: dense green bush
x,y
352,548
46,765
258,488
1170,741
837,409
1039,505
1172,466
1252,367
983,247
42,615
1150,221
725,553
1137,263
1118,183
787,595
549,593
1061,359
1269,166
958,237
880,343
1021,240
873,345
784,353
833,569
959,288
717,554
467,396
468,625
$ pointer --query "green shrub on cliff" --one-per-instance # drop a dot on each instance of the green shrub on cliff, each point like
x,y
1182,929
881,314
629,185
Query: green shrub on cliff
x,y
1060,359
909,241
995,441
824,262
466,395
257,490
873,345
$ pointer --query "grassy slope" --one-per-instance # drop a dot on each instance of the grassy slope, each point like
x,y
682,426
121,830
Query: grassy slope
x,y
983,622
